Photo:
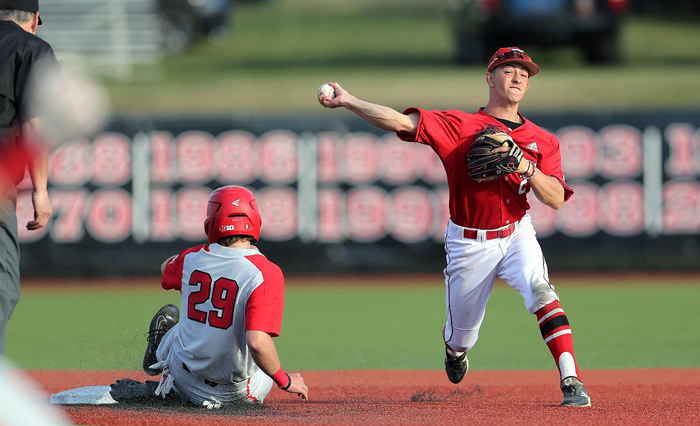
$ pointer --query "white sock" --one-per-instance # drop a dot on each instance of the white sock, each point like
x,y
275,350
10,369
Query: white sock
x,y
567,366
453,353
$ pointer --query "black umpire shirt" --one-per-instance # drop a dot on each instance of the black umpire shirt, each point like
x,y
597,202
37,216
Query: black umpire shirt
x,y
20,53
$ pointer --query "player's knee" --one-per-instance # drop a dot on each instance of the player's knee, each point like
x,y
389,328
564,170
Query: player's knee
x,y
542,294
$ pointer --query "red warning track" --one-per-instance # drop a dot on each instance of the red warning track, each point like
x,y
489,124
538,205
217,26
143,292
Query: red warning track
x,y
380,397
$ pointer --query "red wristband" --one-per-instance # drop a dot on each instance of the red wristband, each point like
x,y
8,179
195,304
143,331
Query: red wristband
x,y
281,378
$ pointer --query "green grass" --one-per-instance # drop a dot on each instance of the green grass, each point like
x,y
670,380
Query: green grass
x,y
398,53
374,327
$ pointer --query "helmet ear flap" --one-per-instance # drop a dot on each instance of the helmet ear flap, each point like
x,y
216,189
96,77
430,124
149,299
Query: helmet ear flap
x,y
257,217
213,208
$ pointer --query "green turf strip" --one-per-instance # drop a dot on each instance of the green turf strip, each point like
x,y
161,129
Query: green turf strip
x,y
398,53
345,327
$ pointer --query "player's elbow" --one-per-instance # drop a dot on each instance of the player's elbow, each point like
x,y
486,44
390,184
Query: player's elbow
x,y
403,127
254,349
407,124
555,204
557,200
257,341
552,197
550,200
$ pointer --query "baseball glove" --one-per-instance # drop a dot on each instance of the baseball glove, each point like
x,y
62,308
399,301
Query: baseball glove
x,y
486,165
129,390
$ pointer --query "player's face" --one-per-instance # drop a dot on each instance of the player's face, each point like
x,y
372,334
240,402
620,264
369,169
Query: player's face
x,y
510,82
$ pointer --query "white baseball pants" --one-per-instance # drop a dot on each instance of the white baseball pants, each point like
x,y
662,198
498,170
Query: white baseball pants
x,y
472,267
196,390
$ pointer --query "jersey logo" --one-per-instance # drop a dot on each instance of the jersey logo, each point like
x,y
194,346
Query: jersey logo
x,y
532,146
235,203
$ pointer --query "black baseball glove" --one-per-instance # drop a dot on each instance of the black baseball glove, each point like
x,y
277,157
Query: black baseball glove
x,y
129,391
486,165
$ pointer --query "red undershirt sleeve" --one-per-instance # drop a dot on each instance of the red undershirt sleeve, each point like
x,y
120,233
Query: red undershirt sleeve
x,y
266,303
172,274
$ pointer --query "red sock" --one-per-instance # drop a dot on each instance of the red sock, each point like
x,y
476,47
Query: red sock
x,y
556,333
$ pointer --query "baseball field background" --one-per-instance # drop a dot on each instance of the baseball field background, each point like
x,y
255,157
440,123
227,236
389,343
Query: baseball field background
x,y
370,344
384,323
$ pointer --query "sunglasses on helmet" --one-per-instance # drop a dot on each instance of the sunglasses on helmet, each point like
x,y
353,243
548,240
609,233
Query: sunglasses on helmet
x,y
511,54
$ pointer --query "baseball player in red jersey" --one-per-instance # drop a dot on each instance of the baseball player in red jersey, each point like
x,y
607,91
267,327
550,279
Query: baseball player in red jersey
x,y
490,234
221,352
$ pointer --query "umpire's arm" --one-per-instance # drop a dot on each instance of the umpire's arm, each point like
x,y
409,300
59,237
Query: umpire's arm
x,y
38,172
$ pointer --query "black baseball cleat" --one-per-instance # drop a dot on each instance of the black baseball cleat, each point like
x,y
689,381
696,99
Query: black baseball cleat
x,y
164,320
456,367
574,393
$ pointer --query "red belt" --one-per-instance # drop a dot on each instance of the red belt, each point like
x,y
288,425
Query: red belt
x,y
490,235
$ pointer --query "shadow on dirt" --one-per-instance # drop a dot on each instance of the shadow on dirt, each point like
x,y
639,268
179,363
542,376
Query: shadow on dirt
x,y
439,395
134,395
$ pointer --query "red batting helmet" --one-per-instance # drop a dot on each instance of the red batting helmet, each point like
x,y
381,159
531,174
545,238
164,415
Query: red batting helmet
x,y
232,210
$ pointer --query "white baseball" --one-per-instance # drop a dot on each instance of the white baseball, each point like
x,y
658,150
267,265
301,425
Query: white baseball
x,y
71,101
327,90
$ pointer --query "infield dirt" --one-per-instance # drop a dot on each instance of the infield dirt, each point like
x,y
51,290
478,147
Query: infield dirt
x,y
381,397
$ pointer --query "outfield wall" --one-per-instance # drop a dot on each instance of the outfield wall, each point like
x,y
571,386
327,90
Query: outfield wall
x,y
337,195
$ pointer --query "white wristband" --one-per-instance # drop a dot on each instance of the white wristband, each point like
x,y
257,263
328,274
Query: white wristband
x,y
523,177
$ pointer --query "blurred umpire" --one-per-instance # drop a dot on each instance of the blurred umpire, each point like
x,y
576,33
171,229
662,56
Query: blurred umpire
x,y
21,53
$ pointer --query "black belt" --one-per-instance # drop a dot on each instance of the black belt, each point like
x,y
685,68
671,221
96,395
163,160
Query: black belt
x,y
206,382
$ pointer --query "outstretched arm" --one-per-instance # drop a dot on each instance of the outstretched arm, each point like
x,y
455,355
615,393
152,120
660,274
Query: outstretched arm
x,y
264,352
381,116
